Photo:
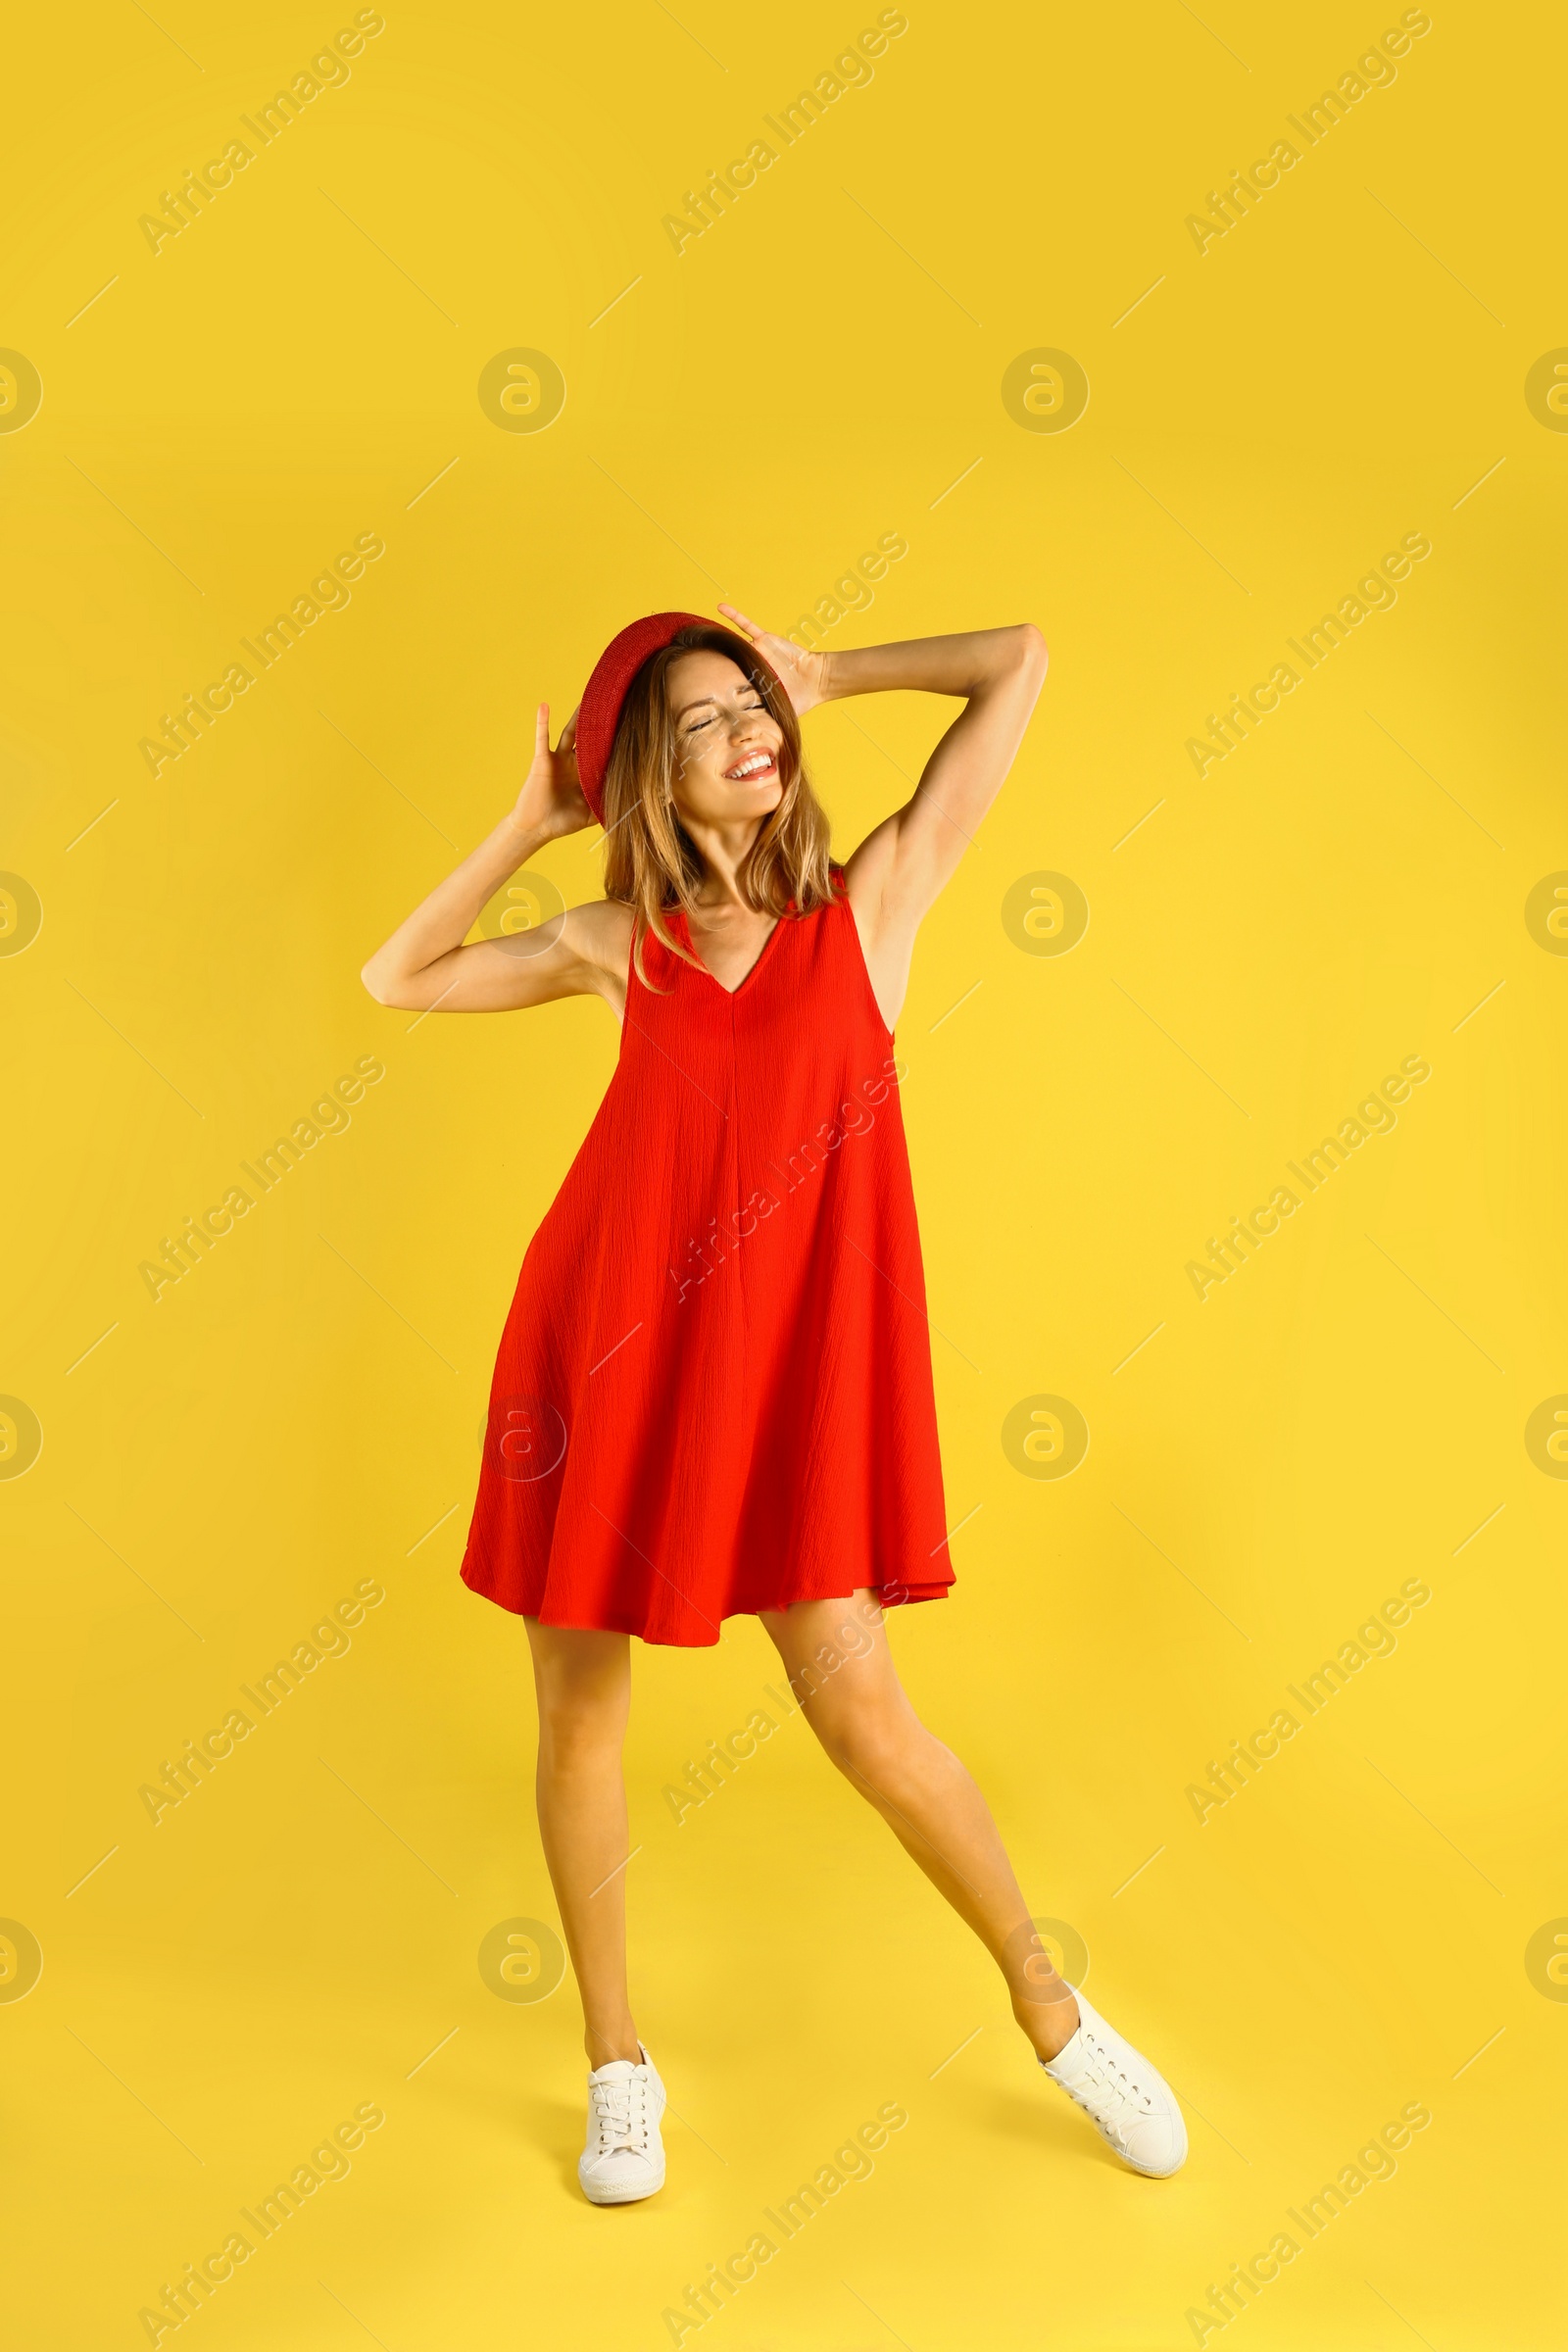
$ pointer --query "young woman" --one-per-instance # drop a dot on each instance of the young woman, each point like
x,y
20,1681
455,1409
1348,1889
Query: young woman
x,y
714,1391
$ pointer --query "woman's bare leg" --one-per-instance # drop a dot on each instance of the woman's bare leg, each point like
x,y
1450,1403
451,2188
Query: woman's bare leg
x,y
584,1683
841,1668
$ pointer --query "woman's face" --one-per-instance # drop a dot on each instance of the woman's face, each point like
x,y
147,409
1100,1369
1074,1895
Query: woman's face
x,y
728,743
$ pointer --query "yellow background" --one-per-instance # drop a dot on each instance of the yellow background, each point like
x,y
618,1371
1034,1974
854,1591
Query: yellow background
x,y
295,1415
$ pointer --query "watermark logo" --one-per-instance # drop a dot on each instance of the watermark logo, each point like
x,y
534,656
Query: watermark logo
x,y
1241,2285
1230,1251
528,1438
708,1252
1229,1775
182,1253
1045,1437
1546,390
1045,915
1546,1437
21,1438
527,912
20,391
1546,912
20,915
198,713
852,592
1054,1949
522,1960
1228,729
1546,1960
197,2282
182,1774
1373,71
522,390
328,70
20,1960
712,2296
1045,391
721,191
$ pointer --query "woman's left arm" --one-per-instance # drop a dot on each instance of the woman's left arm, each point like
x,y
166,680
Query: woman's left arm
x,y
904,864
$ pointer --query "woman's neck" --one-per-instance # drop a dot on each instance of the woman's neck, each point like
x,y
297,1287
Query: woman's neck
x,y
722,854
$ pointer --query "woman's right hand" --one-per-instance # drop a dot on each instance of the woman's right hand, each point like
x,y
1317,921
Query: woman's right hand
x,y
552,801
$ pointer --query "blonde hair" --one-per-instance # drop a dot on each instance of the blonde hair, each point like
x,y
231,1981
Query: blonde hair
x,y
652,864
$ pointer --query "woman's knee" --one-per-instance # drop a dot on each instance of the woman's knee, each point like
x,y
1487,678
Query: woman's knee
x,y
576,1713
866,1739
581,1710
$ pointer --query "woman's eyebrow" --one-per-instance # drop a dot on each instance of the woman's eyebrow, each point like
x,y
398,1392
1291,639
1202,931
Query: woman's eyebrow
x,y
748,688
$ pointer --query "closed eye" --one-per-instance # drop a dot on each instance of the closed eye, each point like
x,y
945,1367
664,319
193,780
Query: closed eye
x,y
697,724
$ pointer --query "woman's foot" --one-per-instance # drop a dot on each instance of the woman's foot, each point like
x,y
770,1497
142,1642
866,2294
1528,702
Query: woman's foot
x,y
624,2156
1134,2106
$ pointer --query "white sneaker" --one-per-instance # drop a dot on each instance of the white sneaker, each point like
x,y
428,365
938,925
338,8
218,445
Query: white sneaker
x,y
624,2158
1134,2107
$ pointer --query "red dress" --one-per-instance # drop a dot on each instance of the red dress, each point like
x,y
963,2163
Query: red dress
x,y
714,1391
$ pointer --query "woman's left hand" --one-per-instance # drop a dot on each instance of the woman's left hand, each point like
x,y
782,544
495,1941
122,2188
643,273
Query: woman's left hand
x,y
803,676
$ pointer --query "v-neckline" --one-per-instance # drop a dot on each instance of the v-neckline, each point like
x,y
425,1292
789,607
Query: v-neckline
x,y
752,969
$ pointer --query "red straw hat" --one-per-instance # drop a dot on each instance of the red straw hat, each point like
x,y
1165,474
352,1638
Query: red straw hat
x,y
599,713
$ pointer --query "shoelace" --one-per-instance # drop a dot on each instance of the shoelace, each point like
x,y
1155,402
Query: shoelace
x,y
1113,2078
620,2117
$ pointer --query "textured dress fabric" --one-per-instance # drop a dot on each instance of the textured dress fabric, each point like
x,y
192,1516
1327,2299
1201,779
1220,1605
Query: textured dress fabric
x,y
713,1394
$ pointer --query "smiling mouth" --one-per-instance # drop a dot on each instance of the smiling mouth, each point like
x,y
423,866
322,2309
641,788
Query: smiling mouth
x,y
753,770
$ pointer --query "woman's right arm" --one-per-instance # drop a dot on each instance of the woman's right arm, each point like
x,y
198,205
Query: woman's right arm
x,y
424,965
